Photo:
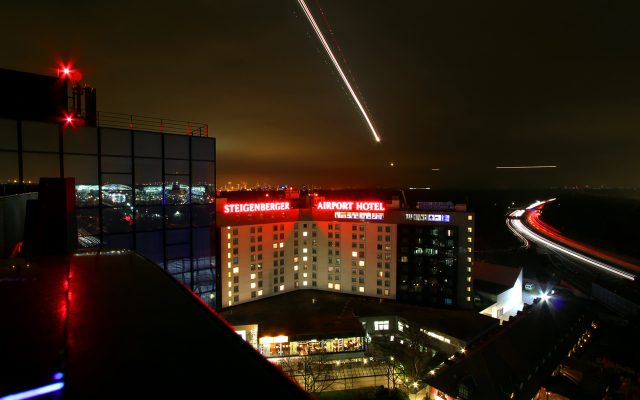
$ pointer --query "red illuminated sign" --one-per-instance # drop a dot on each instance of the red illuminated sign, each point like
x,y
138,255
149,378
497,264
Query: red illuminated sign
x,y
351,205
256,207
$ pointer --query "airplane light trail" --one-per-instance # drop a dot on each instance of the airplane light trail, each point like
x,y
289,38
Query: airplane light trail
x,y
530,166
335,63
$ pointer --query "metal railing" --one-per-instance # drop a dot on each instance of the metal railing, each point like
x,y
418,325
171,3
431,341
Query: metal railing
x,y
136,122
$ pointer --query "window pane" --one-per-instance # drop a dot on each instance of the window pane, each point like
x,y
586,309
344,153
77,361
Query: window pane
x,y
8,134
83,168
176,146
203,148
204,215
40,136
118,241
116,164
8,166
147,144
177,217
38,165
80,140
150,245
148,218
115,141
88,221
179,236
117,219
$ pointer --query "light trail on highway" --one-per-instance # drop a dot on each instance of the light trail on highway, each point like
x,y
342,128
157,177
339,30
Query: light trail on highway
x,y
532,215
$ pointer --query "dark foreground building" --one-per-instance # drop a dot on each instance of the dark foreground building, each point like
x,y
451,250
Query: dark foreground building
x,y
106,324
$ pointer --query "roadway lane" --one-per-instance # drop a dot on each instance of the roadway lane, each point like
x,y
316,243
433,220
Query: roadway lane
x,y
530,228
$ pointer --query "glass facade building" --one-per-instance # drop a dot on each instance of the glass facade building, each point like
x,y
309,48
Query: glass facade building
x,y
153,192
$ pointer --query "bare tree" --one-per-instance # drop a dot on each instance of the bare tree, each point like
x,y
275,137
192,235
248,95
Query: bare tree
x,y
417,350
313,372
385,350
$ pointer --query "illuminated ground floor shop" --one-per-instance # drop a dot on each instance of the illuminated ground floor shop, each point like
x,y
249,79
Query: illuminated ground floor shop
x,y
281,346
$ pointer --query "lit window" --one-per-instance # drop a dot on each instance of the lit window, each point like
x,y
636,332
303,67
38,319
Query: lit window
x,y
253,285
330,285
304,258
361,289
304,233
236,270
468,259
386,292
281,244
470,217
337,287
361,263
228,245
469,229
228,236
468,279
468,249
469,240
468,269
253,276
259,292
304,283
304,274
229,284
228,255
468,288
354,254
295,267
281,287
304,250
468,298
230,294
381,325
275,245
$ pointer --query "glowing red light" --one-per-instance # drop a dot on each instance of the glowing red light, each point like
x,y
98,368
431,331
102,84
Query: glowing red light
x,y
69,119
66,71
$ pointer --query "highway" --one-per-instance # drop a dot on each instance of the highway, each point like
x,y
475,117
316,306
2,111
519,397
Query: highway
x,y
576,257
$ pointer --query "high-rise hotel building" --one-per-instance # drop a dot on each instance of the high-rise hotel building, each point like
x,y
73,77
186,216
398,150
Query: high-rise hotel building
x,y
421,256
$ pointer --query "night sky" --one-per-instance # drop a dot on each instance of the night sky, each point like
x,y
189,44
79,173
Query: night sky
x,y
460,86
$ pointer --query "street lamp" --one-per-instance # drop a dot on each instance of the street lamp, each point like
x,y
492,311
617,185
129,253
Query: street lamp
x,y
415,386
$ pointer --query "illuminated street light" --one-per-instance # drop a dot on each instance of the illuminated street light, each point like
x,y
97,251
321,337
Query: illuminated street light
x,y
545,297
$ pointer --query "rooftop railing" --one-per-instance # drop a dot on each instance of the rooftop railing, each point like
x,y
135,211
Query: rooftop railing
x,y
136,122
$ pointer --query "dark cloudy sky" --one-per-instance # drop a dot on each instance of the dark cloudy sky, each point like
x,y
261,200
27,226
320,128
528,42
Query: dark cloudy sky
x,y
457,85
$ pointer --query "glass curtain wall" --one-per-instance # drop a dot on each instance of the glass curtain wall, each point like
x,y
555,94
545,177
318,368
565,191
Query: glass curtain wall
x,y
147,191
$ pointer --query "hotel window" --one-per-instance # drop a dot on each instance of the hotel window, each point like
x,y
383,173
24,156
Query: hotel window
x,y
361,245
235,241
468,288
330,243
295,226
354,271
259,238
236,270
275,246
253,229
259,292
295,234
330,277
361,228
386,292
387,238
337,286
354,236
387,283
304,225
235,231
281,287
387,229
295,284
354,279
275,236
361,263
337,243
380,228
253,267
314,283
330,226
275,280
275,228
236,289
337,269
354,245
354,254
304,233
236,298
253,276
468,249
379,283
354,227
379,256
362,271
468,279
379,291
387,247
379,238
337,261
337,226
361,289
253,294
387,256
281,262
330,269
469,218
314,276
304,283
361,280
259,247
361,237
260,256
282,270
295,251
354,288
330,260
304,274
330,285
468,269
387,265
253,285
314,266
253,257
304,250
469,229
468,298
304,258
281,227
253,248
354,263
469,259
314,242
379,246
330,235
260,282
282,236
275,289
469,240
314,234
330,252
260,266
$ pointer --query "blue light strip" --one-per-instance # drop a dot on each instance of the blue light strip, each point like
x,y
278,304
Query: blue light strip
x,y
34,392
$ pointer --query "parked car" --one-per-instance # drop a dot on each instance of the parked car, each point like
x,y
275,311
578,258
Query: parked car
x,y
529,286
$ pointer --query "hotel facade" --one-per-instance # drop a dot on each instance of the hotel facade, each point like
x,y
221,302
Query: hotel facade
x,y
421,255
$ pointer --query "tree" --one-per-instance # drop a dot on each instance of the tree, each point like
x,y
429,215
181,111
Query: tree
x,y
418,352
313,372
385,350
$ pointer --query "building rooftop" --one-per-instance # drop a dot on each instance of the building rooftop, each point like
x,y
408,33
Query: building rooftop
x,y
517,357
493,278
116,325
296,314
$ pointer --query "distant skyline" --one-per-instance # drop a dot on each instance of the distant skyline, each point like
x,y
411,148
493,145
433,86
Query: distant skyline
x,y
455,89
